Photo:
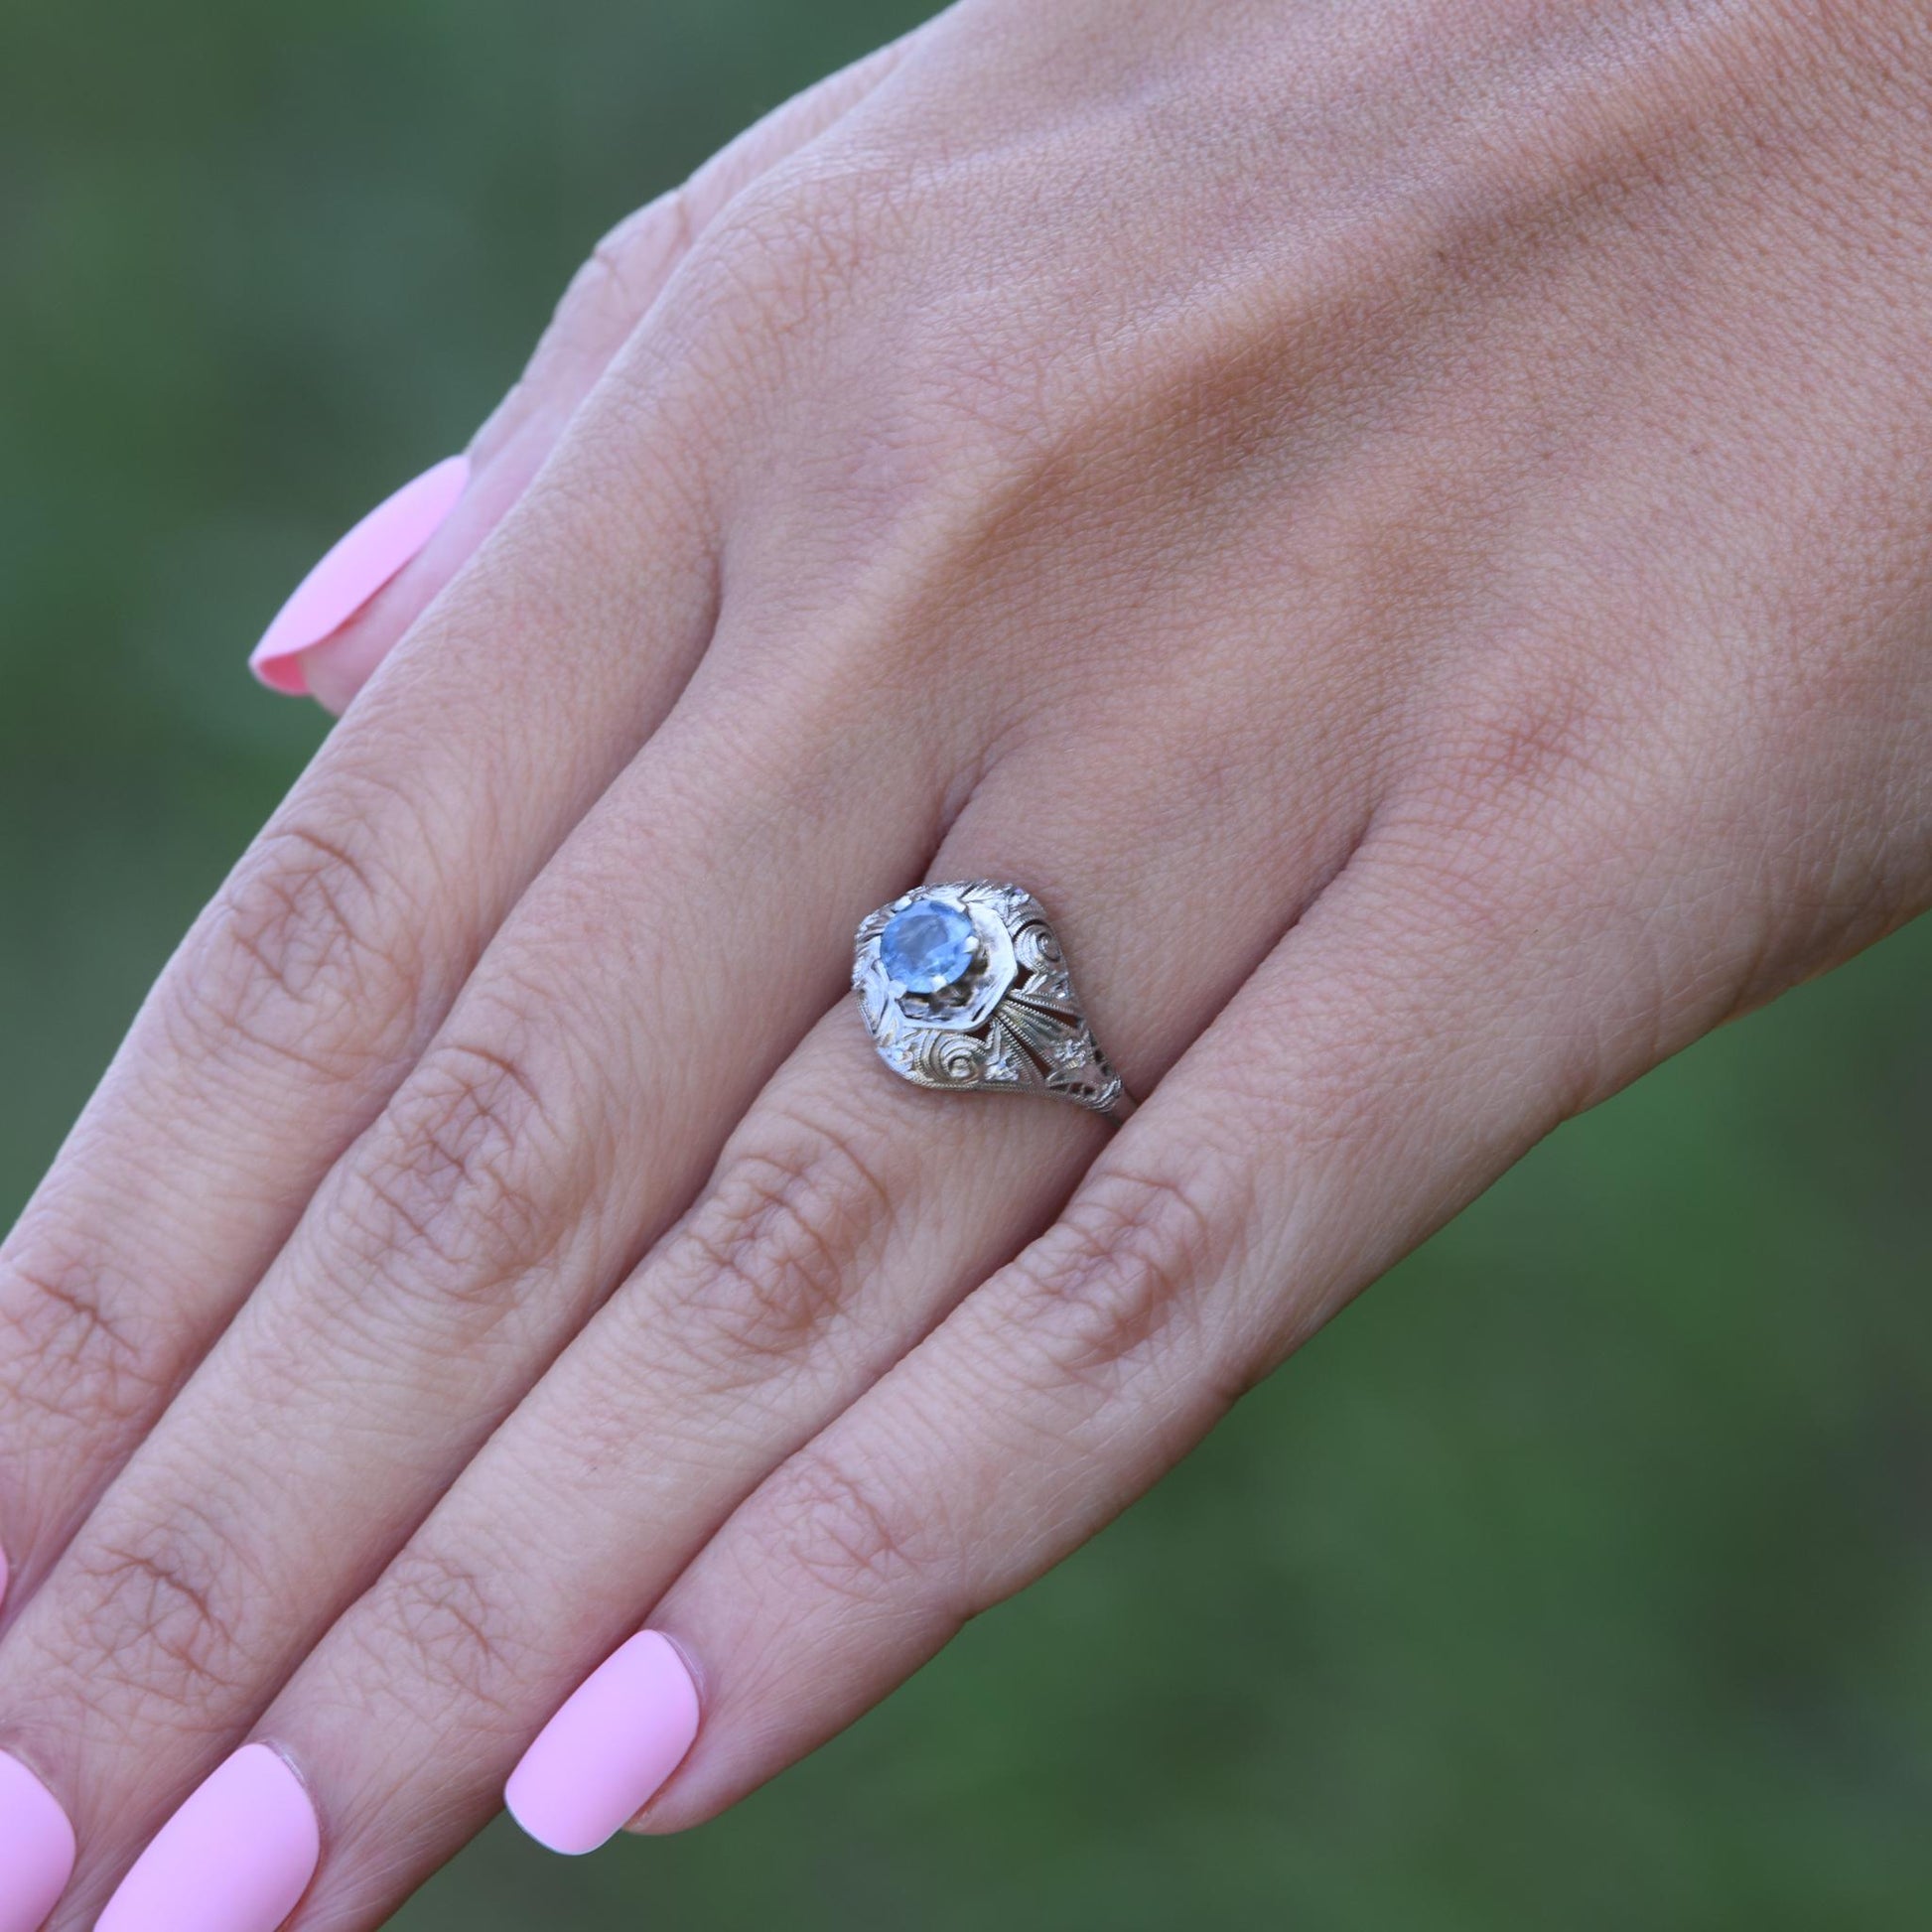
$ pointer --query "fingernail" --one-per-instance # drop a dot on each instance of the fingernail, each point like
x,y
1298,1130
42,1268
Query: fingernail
x,y
602,1755
36,1848
353,571
235,1858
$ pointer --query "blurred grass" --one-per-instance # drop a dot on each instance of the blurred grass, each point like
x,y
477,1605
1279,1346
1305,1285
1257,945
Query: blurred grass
x,y
1579,1577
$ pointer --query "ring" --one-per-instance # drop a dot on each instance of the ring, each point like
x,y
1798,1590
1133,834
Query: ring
x,y
964,988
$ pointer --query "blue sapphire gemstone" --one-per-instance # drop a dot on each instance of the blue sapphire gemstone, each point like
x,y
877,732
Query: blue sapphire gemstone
x,y
928,946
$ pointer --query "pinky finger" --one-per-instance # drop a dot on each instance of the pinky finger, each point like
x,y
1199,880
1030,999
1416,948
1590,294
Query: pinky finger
x,y
1392,1058
330,636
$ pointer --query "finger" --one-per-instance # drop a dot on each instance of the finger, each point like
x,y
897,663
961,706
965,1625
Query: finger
x,y
822,1248
843,1219
674,951
1409,1041
324,967
329,642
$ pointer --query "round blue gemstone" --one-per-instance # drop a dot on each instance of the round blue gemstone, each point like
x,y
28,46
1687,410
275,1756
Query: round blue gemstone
x,y
927,947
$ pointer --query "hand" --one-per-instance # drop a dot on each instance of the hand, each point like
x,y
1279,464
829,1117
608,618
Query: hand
x,y
1403,524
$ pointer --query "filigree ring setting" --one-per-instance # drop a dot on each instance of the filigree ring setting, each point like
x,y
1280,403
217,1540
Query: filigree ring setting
x,y
965,990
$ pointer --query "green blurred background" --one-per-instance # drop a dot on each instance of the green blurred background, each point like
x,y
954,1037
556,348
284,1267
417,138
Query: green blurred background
x,y
1579,1577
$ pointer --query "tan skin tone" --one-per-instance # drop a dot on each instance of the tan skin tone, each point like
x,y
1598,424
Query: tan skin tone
x,y
1409,525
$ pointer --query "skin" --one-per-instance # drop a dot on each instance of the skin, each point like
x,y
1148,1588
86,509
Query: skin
x,y
1403,523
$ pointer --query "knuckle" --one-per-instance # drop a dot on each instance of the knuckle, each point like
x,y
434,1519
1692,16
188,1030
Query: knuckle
x,y
1103,1287
948,445
447,1196
618,279
766,1263
74,1352
1535,735
434,1630
788,253
836,1523
300,953
154,1605
799,232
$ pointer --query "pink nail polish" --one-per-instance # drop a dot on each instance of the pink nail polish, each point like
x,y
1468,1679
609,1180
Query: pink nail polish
x,y
355,570
36,1848
618,1737
235,1858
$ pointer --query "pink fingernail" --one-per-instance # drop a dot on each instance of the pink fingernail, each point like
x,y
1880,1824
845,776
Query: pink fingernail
x,y
36,1848
613,1744
353,571
235,1858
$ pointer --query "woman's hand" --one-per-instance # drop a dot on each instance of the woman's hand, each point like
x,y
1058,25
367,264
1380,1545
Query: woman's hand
x,y
1405,524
